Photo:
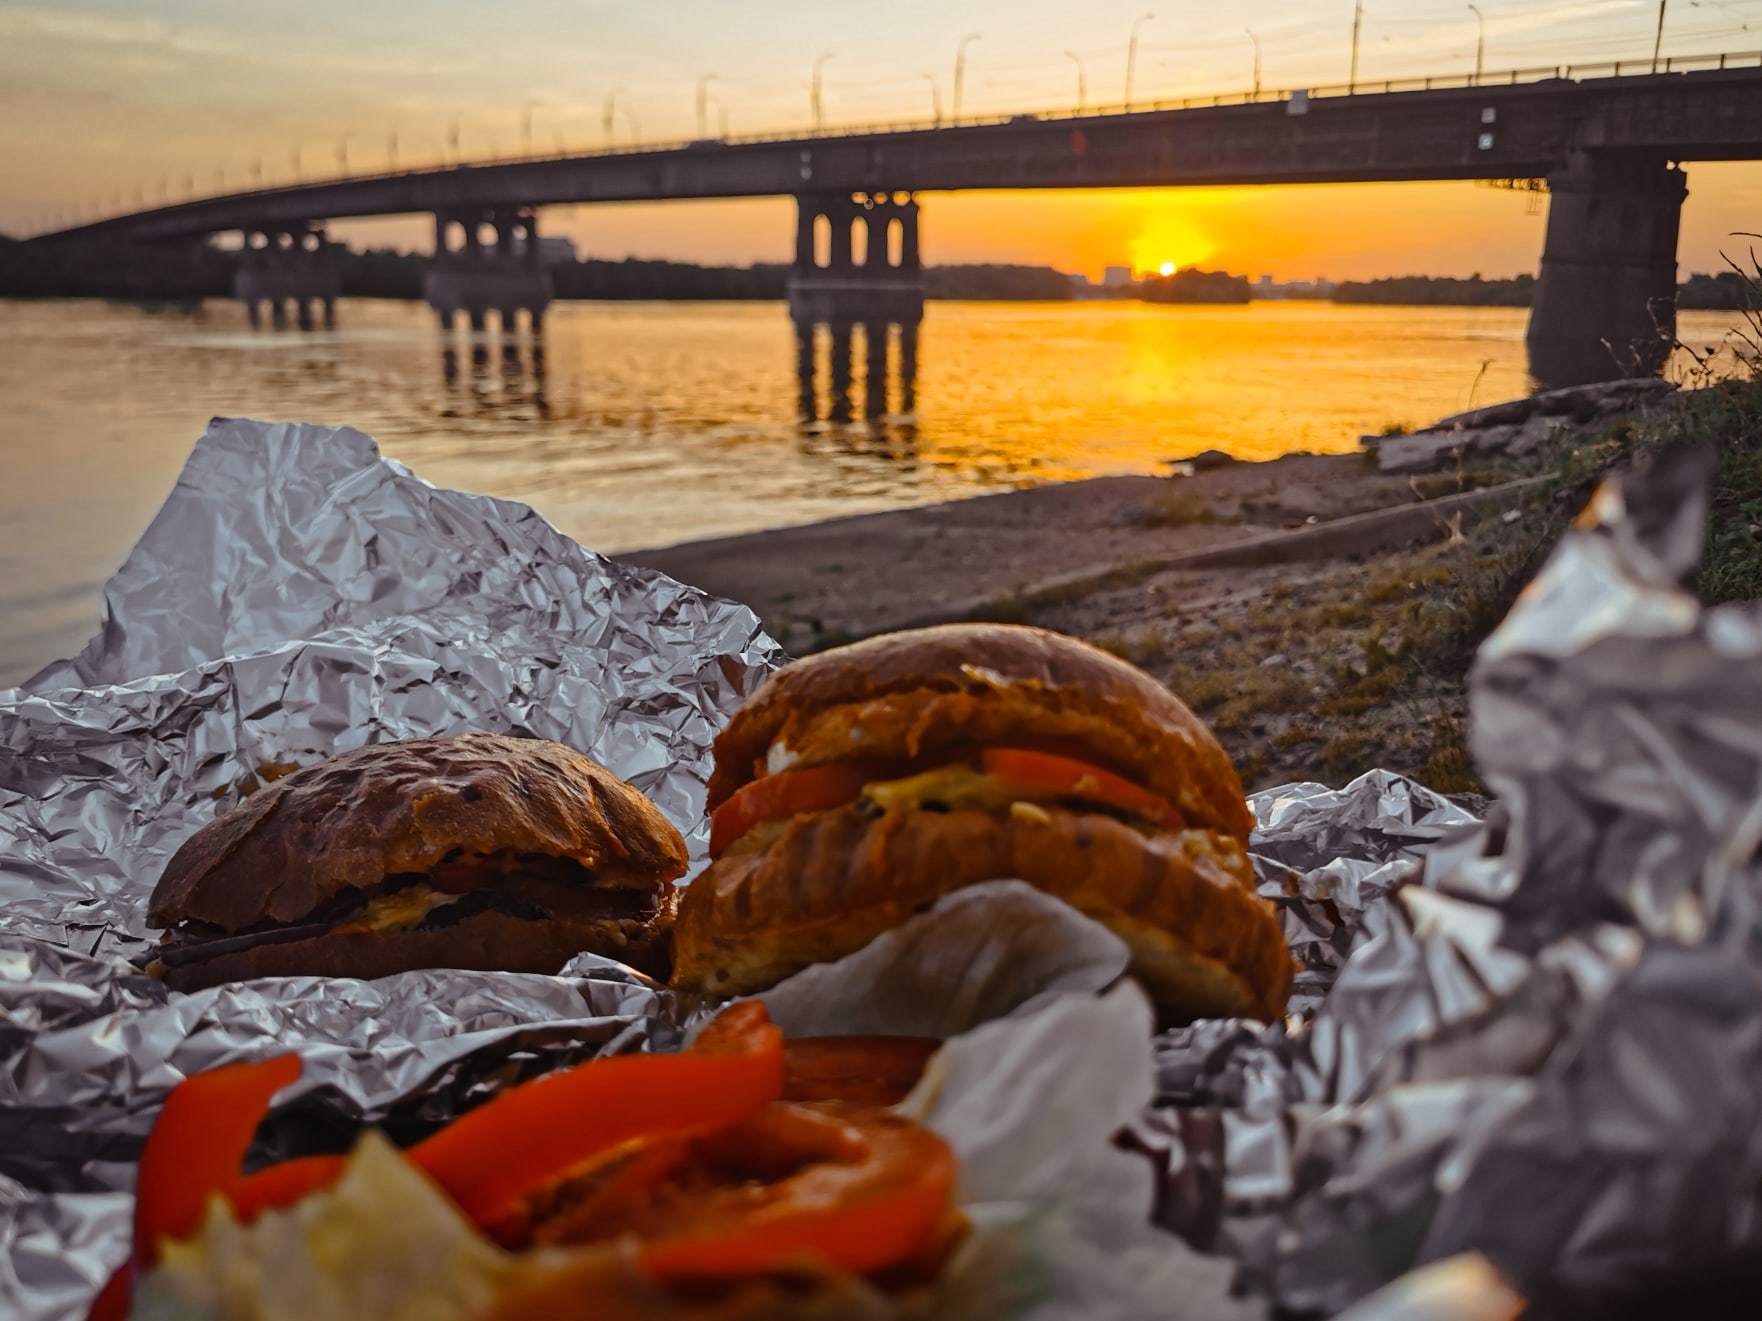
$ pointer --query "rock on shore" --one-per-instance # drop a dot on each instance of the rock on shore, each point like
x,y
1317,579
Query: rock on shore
x,y
1515,428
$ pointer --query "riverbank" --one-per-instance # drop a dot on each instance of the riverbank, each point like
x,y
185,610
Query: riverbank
x,y
1320,611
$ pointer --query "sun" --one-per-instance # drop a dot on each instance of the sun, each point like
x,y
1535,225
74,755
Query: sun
x,y
1169,242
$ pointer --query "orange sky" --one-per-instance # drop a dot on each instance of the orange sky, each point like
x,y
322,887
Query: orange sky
x,y
101,100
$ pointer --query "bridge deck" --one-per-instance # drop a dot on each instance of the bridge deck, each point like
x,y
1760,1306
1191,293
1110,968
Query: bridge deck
x,y
1515,129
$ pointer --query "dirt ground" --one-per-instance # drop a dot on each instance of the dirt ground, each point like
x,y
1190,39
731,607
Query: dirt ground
x,y
1320,614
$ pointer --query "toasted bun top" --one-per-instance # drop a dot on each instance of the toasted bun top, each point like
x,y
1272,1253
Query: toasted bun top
x,y
400,808
916,691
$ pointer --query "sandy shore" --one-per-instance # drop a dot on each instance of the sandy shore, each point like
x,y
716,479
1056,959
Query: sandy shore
x,y
848,577
1313,608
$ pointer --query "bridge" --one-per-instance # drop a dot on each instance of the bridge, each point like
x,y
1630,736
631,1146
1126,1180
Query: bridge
x,y
1610,141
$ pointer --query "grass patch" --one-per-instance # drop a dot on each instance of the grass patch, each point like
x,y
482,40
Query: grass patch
x,y
1180,507
1397,582
1234,698
1141,647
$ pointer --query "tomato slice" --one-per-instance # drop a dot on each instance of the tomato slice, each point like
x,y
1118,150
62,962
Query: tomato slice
x,y
867,1191
790,793
1066,777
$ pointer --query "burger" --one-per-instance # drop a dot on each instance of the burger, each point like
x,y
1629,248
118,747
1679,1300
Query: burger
x,y
475,851
861,784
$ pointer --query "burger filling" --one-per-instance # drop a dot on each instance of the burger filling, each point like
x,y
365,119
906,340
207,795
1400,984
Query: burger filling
x,y
523,885
1014,780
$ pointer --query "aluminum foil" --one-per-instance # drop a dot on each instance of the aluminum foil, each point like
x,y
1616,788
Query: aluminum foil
x,y
1535,1037
298,595
1545,1043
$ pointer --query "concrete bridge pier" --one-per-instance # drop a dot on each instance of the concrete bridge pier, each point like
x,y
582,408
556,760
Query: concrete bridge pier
x,y
486,260
279,266
1605,302
856,258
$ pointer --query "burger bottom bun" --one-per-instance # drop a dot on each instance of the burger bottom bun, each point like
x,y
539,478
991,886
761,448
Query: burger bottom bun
x,y
1202,942
487,941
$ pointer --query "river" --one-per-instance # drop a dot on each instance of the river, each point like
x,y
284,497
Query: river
x,y
636,424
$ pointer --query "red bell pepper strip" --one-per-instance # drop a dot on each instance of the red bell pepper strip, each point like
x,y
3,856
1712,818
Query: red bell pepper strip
x,y
527,1137
282,1185
197,1145
193,1156
114,1299
486,1161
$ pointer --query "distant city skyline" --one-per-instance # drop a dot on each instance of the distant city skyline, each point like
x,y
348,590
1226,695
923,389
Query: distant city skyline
x,y
104,103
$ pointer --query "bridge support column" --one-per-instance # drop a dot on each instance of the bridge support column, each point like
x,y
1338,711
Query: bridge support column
x,y
502,277
295,265
1605,302
885,287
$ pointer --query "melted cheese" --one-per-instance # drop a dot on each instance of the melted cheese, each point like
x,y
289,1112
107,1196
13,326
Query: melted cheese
x,y
405,908
959,786
950,786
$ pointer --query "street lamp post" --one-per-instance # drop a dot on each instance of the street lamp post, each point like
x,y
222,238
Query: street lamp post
x,y
526,127
814,102
703,104
1256,41
1357,24
935,98
342,153
1082,82
1658,40
607,119
1132,52
391,151
1480,41
960,72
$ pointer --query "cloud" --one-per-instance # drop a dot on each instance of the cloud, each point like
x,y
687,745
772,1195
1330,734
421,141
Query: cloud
x,y
92,28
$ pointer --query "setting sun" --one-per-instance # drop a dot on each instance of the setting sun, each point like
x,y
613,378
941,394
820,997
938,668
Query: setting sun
x,y
1169,242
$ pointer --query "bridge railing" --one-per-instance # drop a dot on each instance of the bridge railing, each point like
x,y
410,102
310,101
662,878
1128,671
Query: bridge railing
x,y
1576,72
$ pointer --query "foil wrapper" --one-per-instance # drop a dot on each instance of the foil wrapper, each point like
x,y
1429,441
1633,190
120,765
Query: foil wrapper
x,y
1535,1038
298,595
1542,1044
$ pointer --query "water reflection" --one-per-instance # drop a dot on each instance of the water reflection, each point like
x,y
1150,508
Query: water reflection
x,y
516,389
828,355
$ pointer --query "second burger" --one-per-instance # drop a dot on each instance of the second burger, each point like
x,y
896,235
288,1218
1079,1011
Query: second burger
x,y
861,784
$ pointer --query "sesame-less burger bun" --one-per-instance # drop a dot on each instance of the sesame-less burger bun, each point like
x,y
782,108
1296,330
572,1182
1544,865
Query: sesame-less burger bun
x,y
821,884
1202,943
902,694
475,851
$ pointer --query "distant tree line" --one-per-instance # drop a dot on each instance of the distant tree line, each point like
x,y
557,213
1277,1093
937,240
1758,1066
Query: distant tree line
x,y
180,272
1437,290
1726,290
186,271
1195,286
997,281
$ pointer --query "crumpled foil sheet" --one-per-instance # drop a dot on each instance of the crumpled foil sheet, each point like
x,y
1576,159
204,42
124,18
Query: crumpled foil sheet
x,y
1537,1036
1546,1046
299,595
